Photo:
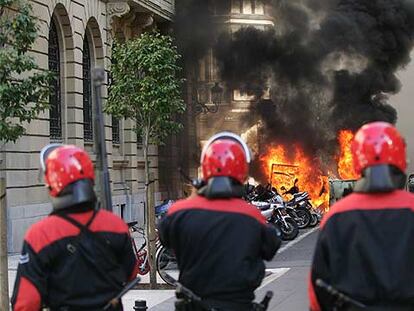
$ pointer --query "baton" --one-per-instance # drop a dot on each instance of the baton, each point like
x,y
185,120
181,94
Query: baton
x,y
126,289
340,296
266,300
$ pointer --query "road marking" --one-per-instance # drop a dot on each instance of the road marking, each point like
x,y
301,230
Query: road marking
x,y
297,240
274,274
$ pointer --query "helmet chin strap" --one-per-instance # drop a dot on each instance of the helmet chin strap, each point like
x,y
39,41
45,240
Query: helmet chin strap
x,y
380,179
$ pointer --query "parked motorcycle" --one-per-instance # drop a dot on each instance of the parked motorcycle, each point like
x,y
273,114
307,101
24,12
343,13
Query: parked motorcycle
x,y
303,212
299,211
276,214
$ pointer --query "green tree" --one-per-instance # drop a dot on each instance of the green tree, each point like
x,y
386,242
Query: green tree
x,y
23,88
147,89
23,94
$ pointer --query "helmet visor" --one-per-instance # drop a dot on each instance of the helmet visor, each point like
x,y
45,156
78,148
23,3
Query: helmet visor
x,y
44,153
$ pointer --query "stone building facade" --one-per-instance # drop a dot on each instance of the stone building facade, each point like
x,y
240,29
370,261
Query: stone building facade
x,y
230,113
74,37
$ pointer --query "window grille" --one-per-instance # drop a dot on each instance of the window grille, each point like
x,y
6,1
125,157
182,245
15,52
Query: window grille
x,y
87,93
55,112
116,139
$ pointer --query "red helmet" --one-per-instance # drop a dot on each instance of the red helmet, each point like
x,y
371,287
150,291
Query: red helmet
x,y
63,165
225,154
378,143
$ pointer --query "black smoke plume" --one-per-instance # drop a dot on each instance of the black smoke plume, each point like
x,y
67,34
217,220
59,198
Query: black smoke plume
x,y
194,28
330,64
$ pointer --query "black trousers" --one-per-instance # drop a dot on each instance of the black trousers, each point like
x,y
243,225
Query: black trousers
x,y
181,305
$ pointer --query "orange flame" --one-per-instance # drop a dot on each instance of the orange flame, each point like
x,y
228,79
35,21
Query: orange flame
x,y
345,161
283,168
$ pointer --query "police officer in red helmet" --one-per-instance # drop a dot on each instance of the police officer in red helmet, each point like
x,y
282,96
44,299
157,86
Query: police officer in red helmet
x,y
220,240
79,257
365,247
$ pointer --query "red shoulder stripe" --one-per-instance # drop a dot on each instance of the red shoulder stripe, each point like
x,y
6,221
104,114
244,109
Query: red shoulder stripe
x,y
375,201
236,206
54,228
47,231
107,221
28,297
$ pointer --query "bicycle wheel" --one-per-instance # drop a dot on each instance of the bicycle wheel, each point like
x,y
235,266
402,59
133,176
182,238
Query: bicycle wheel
x,y
167,264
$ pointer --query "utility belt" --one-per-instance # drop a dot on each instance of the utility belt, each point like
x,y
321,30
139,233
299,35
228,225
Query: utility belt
x,y
186,305
188,301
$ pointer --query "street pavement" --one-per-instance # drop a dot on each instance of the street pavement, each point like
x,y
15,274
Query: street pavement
x,y
287,276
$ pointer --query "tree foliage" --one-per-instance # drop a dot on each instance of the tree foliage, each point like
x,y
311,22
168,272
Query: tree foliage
x,y
147,87
23,87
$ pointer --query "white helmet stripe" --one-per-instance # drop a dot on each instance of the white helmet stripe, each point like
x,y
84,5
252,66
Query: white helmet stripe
x,y
45,151
227,135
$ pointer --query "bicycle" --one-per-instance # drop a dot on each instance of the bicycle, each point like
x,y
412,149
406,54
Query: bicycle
x,y
164,258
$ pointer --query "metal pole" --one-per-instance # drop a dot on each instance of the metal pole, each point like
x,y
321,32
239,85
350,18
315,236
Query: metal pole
x,y
105,190
4,277
152,248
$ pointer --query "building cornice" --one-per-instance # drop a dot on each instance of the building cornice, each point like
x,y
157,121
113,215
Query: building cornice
x,y
162,8
117,8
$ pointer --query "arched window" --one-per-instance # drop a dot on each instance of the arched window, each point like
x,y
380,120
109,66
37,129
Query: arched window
x,y
87,92
116,124
55,93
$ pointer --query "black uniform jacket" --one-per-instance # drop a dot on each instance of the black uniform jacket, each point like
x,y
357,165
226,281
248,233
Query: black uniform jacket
x,y
366,250
52,270
220,246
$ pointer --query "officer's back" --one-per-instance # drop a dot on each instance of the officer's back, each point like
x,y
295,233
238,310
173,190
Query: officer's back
x,y
220,240
79,257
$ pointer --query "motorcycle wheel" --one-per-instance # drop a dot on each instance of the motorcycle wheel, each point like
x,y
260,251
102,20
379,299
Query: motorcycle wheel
x,y
314,220
304,217
290,230
166,264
